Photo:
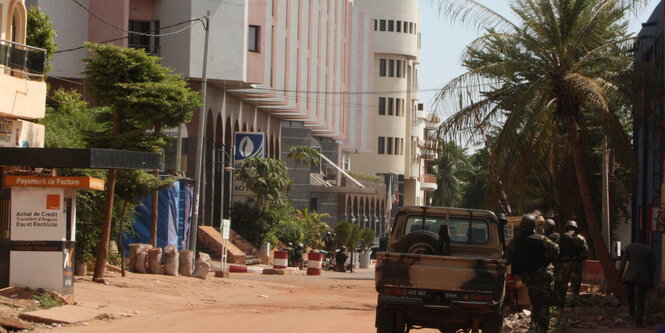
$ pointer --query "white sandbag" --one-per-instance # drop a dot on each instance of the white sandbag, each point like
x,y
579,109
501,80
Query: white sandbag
x,y
171,260
203,266
155,261
186,260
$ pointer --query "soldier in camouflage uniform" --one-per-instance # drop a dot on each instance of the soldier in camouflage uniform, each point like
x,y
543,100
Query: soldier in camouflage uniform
x,y
574,250
549,229
530,255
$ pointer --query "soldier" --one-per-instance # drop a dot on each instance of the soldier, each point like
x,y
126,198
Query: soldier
x,y
549,229
574,251
340,259
530,255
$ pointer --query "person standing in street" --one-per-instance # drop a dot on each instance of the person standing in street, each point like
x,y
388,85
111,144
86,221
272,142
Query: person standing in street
x,y
573,251
530,255
638,267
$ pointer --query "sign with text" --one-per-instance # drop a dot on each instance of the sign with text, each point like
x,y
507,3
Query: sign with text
x,y
60,182
38,214
249,145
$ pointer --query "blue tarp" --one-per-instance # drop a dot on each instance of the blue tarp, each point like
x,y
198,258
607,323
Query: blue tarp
x,y
172,222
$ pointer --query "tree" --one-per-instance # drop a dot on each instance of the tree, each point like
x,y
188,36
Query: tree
x,y
40,33
366,239
452,170
267,178
313,227
304,155
141,94
542,79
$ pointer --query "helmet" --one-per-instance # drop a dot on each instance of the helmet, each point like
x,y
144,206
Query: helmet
x,y
571,225
528,223
343,248
549,225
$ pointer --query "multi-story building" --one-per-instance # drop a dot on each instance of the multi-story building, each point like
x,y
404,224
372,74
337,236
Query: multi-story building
x,y
648,211
399,147
282,68
22,100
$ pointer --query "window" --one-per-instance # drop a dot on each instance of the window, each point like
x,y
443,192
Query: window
x,y
376,23
396,146
382,67
398,26
399,68
382,145
389,148
253,38
397,100
410,27
391,25
382,106
391,68
382,25
406,27
461,229
390,106
149,43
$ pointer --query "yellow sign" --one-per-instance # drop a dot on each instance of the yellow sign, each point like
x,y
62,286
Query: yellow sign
x,y
61,182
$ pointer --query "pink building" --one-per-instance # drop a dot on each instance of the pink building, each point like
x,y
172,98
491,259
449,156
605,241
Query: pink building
x,y
279,67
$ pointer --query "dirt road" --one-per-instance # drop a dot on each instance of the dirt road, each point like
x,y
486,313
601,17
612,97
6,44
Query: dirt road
x,y
333,302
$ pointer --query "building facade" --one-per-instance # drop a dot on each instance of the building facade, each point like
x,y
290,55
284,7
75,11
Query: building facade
x,y
22,101
278,67
648,211
400,145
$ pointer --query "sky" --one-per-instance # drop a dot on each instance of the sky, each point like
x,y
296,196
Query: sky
x,y
442,44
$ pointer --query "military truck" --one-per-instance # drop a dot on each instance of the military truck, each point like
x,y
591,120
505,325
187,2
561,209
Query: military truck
x,y
443,269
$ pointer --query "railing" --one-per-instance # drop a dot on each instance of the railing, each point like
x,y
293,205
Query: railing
x,y
21,58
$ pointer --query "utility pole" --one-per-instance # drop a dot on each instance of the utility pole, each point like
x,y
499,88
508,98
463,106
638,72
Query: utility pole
x,y
199,140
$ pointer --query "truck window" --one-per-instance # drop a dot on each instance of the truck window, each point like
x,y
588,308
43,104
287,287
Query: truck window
x,y
462,230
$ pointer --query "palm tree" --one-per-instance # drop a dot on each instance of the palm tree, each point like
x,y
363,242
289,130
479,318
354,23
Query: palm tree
x,y
453,170
565,65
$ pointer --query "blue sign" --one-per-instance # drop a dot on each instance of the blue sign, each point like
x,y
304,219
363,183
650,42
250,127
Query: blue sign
x,y
250,145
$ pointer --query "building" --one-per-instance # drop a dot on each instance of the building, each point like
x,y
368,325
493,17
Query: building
x,y
648,211
282,68
399,148
22,100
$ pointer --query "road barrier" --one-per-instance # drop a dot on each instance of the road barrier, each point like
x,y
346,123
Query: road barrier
x,y
245,269
314,263
281,260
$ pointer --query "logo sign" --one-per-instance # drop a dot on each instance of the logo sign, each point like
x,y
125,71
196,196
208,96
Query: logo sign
x,y
249,145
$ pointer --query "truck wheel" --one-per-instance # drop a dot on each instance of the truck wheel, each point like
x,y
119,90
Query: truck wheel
x,y
418,242
493,324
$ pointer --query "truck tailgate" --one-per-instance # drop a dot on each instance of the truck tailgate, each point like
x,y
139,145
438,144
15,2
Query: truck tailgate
x,y
432,272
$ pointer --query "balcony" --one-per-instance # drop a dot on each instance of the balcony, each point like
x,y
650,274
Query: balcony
x,y
429,183
22,89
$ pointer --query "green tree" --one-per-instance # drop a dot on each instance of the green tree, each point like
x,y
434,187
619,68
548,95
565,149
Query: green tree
x,y
141,94
342,233
267,178
313,227
40,33
453,171
366,239
542,79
